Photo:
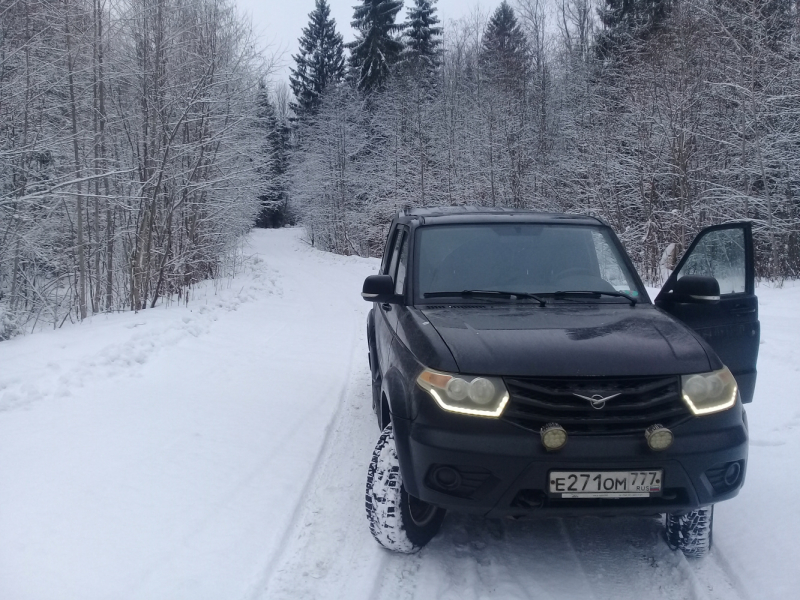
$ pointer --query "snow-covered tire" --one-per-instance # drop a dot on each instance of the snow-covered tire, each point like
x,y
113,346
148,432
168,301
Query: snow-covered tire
x,y
691,533
397,521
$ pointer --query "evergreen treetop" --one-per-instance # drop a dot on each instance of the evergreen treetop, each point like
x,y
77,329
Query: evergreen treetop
x,y
504,46
625,21
376,49
273,163
422,36
320,61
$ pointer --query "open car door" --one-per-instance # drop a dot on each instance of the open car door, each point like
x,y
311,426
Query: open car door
x,y
724,313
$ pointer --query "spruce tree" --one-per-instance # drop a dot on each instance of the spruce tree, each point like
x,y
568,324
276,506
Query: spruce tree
x,y
504,47
422,37
376,49
274,164
628,21
320,62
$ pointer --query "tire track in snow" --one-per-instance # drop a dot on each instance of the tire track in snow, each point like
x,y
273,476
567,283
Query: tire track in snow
x,y
291,529
737,586
573,551
626,557
696,589
209,519
713,578
704,585
330,553
297,260
623,558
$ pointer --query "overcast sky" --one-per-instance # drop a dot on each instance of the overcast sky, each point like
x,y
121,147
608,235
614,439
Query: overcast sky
x,y
280,22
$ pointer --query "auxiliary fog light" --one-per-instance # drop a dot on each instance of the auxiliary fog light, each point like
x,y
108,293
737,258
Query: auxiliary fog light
x,y
658,437
554,437
732,473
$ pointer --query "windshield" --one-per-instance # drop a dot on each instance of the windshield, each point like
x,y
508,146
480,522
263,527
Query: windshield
x,y
525,258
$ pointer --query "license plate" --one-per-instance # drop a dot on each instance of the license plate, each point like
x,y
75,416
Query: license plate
x,y
606,484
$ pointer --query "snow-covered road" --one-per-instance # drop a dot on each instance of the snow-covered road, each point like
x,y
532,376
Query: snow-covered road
x,y
219,451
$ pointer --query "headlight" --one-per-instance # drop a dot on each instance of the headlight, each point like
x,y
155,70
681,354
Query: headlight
x,y
468,395
708,393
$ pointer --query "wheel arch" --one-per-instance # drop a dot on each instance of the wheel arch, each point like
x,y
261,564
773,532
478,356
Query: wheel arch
x,y
395,393
385,414
371,342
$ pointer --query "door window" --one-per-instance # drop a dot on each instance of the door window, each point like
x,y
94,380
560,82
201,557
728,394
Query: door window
x,y
720,254
400,278
392,263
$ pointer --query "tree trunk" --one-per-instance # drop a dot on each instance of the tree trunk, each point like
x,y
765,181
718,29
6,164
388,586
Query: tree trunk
x,y
76,154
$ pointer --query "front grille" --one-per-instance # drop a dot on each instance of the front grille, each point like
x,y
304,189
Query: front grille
x,y
642,401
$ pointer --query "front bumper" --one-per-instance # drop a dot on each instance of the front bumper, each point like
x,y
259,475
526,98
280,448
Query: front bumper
x,y
503,469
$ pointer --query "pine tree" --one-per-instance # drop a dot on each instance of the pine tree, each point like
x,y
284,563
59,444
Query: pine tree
x,y
422,38
504,48
626,21
376,50
274,165
320,62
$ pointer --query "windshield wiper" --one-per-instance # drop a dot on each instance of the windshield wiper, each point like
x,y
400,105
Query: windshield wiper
x,y
487,293
596,294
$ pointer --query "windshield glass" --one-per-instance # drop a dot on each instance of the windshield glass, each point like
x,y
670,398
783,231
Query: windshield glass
x,y
526,258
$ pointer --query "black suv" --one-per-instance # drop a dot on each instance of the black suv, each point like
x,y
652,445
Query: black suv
x,y
519,368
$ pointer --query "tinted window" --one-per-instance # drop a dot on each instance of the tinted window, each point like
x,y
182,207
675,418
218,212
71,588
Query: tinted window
x,y
720,254
400,278
392,264
534,258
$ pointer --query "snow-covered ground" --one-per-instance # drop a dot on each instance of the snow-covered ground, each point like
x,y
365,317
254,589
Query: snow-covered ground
x,y
219,451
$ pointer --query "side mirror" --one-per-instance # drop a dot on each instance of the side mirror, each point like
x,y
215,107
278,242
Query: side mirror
x,y
380,288
696,289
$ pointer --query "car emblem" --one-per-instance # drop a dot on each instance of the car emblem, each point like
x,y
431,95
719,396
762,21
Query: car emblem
x,y
598,401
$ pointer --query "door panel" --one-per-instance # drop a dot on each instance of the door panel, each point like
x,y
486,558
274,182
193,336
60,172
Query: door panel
x,y
730,326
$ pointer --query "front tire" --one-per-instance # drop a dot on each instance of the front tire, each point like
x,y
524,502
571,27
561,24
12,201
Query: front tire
x,y
397,520
691,533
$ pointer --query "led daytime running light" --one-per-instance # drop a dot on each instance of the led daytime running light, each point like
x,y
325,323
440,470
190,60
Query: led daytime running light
x,y
466,395
708,393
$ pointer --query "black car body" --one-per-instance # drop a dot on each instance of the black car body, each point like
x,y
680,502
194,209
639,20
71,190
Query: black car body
x,y
605,366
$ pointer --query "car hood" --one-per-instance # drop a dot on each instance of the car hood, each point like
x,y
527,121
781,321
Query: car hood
x,y
570,340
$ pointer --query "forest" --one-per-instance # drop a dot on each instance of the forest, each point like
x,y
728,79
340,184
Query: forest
x,y
660,116
140,140
129,153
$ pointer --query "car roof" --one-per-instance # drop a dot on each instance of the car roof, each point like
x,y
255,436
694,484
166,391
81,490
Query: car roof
x,y
444,215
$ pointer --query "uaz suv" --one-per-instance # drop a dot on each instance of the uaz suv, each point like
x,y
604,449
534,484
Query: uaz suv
x,y
519,368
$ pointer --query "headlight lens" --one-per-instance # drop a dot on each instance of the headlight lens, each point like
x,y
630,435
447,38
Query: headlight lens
x,y
707,393
468,395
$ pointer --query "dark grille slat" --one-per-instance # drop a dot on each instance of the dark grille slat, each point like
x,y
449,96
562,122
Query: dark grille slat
x,y
612,406
590,384
641,402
